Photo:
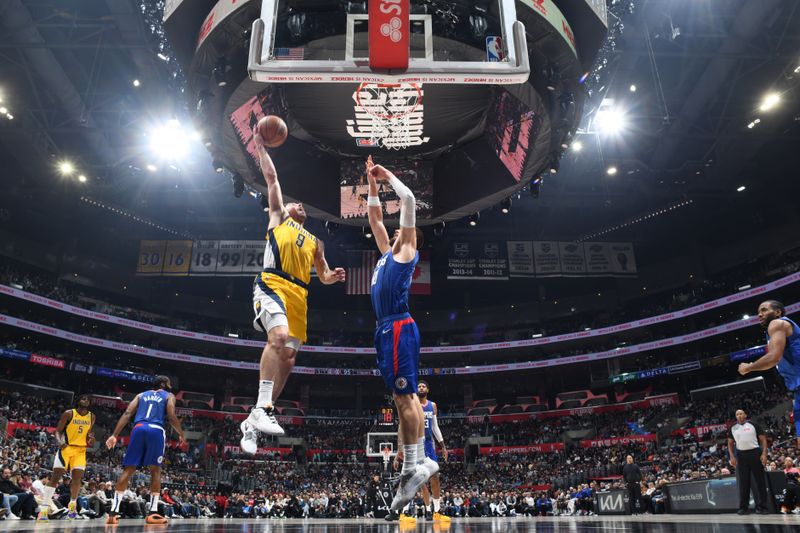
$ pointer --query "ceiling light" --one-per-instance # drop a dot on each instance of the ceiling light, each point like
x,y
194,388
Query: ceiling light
x,y
611,171
136,83
577,146
770,101
741,188
3,110
473,219
745,317
632,88
162,57
169,141
9,116
82,178
66,168
219,167
609,120
505,205
151,167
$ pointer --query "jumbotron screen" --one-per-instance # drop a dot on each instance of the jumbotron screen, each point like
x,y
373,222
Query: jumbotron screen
x,y
417,175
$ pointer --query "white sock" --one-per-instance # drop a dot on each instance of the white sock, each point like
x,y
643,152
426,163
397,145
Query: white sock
x,y
47,494
116,502
436,502
264,393
421,450
154,502
409,458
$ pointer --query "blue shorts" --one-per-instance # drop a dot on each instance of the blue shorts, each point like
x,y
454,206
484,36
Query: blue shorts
x,y
146,447
797,413
430,450
397,344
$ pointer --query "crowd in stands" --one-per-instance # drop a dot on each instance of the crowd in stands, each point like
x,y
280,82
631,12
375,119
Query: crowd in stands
x,y
501,484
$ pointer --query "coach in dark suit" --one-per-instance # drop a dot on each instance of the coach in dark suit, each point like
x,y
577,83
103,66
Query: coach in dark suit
x,y
632,475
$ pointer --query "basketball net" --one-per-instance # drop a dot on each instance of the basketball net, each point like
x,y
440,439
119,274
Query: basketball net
x,y
393,112
386,452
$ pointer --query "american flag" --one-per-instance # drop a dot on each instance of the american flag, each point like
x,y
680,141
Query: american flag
x,y
289,53
359,274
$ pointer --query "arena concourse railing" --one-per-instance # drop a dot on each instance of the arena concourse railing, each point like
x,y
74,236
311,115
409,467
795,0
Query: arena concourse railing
x,y
599,332
473,369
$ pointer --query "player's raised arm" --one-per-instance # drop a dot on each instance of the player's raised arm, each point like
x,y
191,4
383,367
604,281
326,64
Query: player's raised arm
x,y
437,433
375,211
173,420
277,211
325,274
407,239
123,421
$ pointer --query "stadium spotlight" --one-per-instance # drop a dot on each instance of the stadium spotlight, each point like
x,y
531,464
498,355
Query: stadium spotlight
x,y
611,171
769,101
151,167
632,88
331,227
263,201
741,188
505,205
473,219
610,121
576,146
219,72
82,178
136,83
169,141
366,232
554,164
66,168
238,185
219,167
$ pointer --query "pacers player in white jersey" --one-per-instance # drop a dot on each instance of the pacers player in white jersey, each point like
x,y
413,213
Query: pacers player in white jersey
x,y
280,298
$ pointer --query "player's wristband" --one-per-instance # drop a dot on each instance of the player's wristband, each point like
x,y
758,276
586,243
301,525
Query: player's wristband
x,y
373,201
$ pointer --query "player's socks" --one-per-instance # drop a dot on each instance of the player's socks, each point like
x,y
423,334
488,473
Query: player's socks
x,y
154,502
47,494
409,458
116,502
420,450
436,504
264,393
72,510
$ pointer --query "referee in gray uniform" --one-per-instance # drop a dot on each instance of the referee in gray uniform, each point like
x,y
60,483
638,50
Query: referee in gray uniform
x,y
749,458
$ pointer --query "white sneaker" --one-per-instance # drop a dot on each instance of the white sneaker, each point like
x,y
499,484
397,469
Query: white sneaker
x,y
409,484
430,465
249,442
12,516
263,419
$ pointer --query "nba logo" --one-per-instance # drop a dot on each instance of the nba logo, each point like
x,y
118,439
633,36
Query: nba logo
x,y
494,49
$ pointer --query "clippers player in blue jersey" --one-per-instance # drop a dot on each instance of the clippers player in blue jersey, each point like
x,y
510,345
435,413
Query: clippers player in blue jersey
x,y
149,411
396,336
783,351
433,437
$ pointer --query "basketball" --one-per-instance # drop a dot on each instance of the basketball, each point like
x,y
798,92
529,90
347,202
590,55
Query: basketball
x,y
273,130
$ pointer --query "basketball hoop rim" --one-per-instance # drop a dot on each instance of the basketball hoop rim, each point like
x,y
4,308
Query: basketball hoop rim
x,y
388,86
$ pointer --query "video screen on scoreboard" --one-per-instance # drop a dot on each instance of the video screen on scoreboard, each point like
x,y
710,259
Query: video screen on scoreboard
x,y
247,116
511,130
415,174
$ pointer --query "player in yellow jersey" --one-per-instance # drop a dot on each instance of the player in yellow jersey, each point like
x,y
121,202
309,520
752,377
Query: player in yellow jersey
x,y
74,434
280,298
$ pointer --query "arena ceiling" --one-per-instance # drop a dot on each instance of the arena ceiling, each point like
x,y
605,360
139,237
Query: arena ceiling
x,y
701,70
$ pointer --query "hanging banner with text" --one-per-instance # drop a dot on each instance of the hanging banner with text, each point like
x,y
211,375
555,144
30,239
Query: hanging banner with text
x,y
200,258
544,259
486,260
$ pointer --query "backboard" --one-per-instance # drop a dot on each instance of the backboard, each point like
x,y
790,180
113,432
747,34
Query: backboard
x,y
388,41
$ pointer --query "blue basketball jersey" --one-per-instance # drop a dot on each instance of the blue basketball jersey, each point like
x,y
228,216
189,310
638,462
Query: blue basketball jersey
x,y
789,366
427,410
152,407
390,283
